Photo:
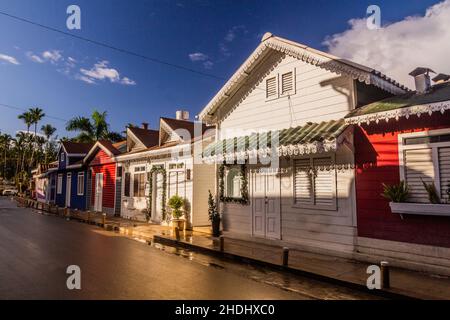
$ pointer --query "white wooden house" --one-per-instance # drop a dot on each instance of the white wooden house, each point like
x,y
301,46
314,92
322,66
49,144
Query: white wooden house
x,y
164,167
300,96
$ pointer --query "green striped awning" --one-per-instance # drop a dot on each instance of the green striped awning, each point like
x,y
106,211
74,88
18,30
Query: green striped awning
x,y
310,138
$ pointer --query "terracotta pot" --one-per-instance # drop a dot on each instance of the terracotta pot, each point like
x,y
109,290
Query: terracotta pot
x,y
178,223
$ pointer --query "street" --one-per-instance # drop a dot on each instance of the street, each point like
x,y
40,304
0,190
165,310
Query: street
x,y
36,250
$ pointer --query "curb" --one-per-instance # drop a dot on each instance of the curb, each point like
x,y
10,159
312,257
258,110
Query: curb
x,y
352,285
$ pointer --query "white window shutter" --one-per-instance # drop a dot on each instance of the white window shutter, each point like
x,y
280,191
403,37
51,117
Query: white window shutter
x,y
302,182
444,171
419,166
271,87
324,185
287,83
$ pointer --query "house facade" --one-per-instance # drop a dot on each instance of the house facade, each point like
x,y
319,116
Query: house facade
x,y
69,180
103,177
43,176
154,174
284,154
405,138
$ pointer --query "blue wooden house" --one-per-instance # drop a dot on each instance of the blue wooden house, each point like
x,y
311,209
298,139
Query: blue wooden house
x,y
71,179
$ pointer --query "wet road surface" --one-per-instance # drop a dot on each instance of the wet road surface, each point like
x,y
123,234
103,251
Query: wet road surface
x,y
35,251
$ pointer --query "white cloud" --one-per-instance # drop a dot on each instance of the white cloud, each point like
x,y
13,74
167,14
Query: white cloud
x,y
208,64
398,48
8,59
52,55
232,33
34,57
198,56
102,71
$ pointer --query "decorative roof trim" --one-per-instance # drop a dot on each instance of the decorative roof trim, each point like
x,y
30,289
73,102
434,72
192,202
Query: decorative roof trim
x,y
311,56
396,114
282,151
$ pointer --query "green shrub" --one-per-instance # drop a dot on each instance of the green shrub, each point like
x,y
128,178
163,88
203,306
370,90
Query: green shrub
x,y
433,194
396,193
212,207
176,203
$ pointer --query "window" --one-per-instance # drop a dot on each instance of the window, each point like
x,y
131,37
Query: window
x,y
233,182
80,184
287,83
127,187
63,157
119,172
315,183
271,88
59,184
139,185
425,156
176,183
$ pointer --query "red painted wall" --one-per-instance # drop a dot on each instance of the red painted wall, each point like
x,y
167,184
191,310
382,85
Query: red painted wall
x,y
376,157
102,163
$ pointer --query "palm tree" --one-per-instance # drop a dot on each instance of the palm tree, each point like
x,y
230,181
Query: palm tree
x,y
48,130
27,117
94,129
36,115
5,140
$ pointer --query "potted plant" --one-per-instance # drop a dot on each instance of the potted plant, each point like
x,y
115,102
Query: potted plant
x,y
176,204
214,215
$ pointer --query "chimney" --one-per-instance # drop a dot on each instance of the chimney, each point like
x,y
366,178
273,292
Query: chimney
x,y
422,79
182,115
441,78
145,125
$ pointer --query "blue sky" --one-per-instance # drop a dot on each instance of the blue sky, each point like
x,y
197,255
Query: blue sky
x,y
63,75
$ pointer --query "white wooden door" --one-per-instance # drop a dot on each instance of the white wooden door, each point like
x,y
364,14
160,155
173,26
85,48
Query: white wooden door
x,y
259,206
68,189
98,192
273,204
266,205
157,198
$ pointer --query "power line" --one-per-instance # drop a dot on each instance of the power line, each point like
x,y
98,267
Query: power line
x,y
23,109
105,45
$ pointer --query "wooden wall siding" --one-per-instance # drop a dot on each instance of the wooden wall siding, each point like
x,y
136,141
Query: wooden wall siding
x,y
118,197
377,162
320,96
101,158
109,184
334,230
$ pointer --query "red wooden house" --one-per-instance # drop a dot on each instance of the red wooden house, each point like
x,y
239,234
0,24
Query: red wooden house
x,y
405,138
103,178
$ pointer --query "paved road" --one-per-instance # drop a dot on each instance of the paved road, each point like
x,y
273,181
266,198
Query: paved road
x,y
35,251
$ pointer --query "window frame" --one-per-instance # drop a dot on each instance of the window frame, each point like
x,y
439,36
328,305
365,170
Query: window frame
x,y
434,151
141,176
127,180
333,206
80,186
59,183
226,173
277,85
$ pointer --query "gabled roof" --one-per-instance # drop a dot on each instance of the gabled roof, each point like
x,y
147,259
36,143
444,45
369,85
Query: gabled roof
x,y
175,124
76,147
106,146
270,43
437,99
121,145
148,138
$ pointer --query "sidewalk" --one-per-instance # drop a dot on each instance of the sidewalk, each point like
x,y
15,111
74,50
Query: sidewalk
x,y
403,283
323,267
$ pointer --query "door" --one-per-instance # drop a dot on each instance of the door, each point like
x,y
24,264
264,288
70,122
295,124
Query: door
x,y
266,204
98,192
68,189
157,197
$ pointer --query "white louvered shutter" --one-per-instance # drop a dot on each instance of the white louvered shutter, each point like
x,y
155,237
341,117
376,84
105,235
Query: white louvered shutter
x,y
324,182
287,83
444,171
271,87
172,184
303,182
419,166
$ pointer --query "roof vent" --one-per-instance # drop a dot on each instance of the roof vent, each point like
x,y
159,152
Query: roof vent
x,y
422,79
145,125
441,77
182,115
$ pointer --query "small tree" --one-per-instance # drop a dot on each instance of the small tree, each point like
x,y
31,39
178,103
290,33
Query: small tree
x,y
212,207
176,203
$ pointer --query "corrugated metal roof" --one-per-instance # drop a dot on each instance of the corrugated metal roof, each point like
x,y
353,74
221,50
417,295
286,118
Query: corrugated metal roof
x,y
310,133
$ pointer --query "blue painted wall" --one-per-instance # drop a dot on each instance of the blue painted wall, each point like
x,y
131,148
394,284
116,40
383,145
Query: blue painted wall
x,y
76,201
